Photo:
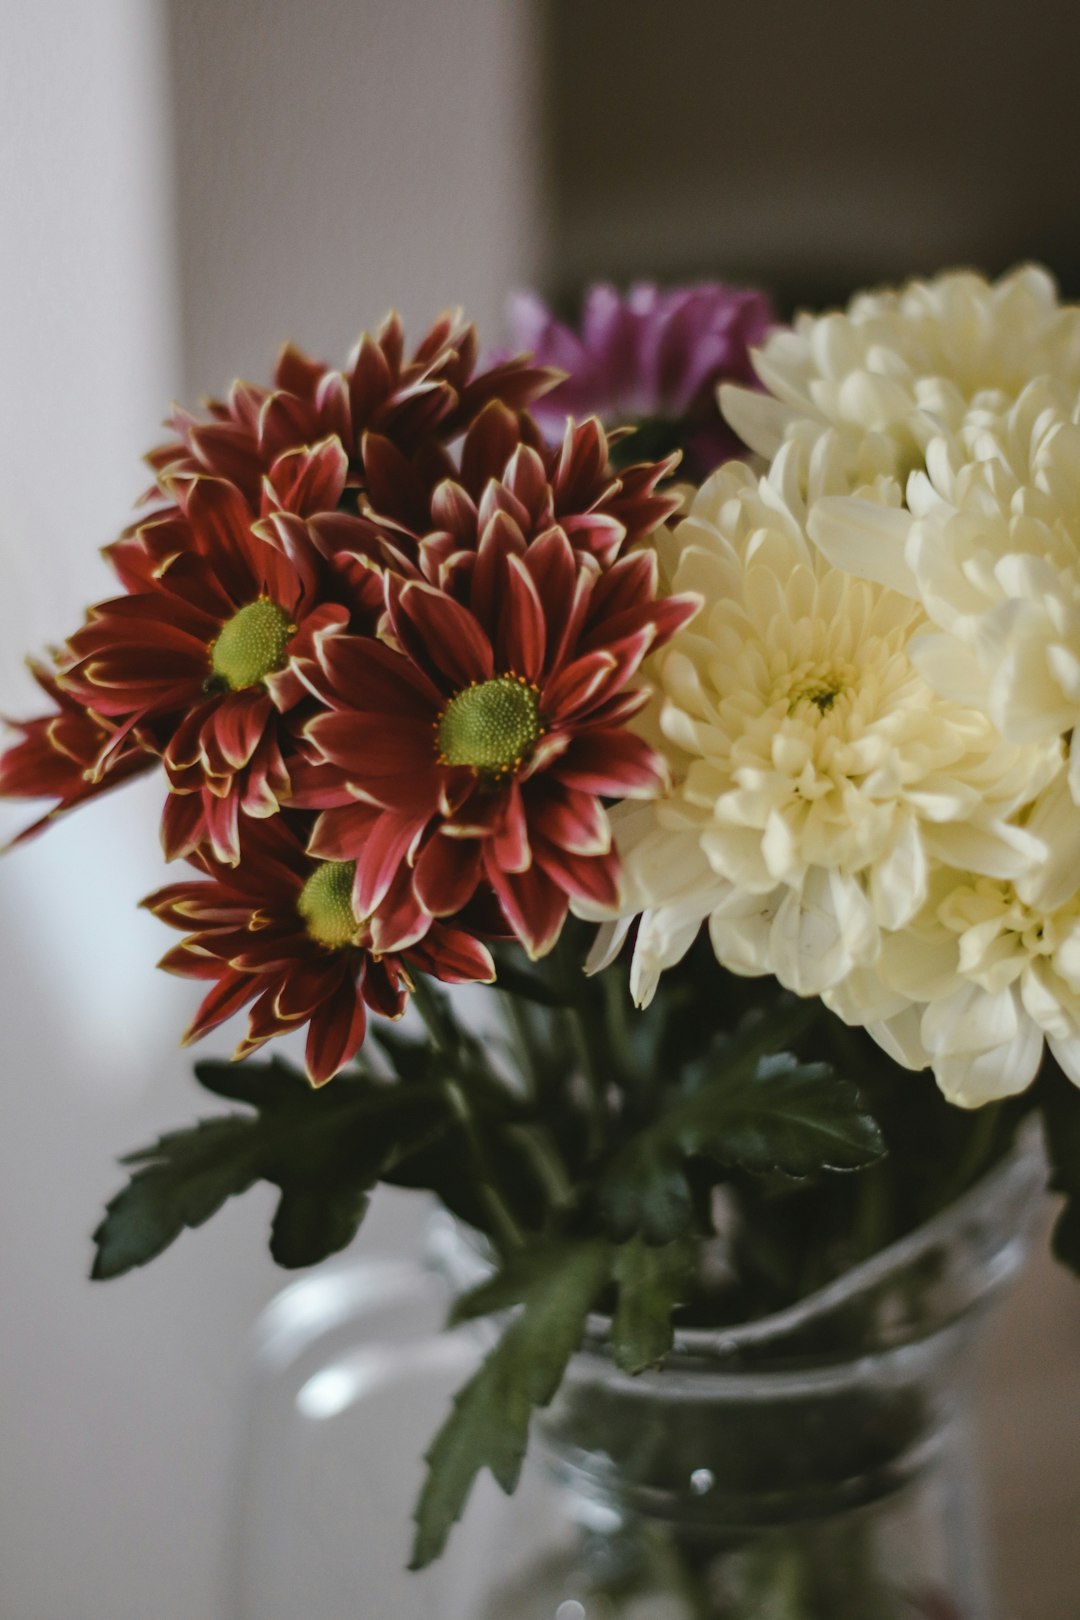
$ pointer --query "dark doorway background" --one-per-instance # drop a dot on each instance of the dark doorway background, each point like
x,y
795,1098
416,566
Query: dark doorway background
x,y
814,148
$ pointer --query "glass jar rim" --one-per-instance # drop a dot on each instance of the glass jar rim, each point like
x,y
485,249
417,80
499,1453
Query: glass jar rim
x,y
953,1263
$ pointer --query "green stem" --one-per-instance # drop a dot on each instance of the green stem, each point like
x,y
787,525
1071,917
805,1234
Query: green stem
x,y
521,1036
584,1032
585,1041
976,1156
537,1145
434,1009
874,1213
615,1009
507,1232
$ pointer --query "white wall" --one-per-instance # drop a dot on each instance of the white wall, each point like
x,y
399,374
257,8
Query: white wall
x,y
332,158
339,157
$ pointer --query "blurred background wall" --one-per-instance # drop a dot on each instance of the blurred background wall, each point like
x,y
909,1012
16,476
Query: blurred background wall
x,y
815,148
182,185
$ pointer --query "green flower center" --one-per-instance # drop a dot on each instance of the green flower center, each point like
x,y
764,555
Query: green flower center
x,y
817,685
251,644
821,694
325,904
492,726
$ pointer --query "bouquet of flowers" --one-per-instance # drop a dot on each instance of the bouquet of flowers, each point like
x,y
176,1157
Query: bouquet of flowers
x,y
732,748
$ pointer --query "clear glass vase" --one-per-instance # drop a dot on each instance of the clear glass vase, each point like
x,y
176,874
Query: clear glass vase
x,y
812,1465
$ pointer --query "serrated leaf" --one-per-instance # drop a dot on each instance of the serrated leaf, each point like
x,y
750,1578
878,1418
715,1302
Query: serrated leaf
x,y
488,1426
652,1282
519,1275
182,1180
324,1150
746,1106
313,1222
762,1037
794,1117
323,1202
261,1085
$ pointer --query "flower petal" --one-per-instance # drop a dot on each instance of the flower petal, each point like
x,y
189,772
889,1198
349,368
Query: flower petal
x,y
449,636
447,873
615,764
534,905
336,1033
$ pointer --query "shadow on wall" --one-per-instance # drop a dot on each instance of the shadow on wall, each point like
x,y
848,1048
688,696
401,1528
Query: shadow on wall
x,y
812,148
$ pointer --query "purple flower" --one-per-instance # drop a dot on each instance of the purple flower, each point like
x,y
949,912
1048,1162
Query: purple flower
x,y
652,358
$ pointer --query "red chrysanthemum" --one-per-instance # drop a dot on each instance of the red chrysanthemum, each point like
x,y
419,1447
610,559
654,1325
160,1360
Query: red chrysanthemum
x,y
414,402
58,754
199,655
480,736
417,515
278,930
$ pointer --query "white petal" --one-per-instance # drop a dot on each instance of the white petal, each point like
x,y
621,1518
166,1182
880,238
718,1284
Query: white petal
x,y
1001,1071
664,937
644,979
998,850
898,883
970,1021
1040,992
918,968
861,998
609,940
820,932
873,402
864,539
740,930
779,849
950,668
901,1038
1064,665
1067,1053
1055,821
758,419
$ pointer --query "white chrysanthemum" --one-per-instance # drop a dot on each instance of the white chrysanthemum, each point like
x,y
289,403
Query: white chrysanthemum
x,y
817,778
898,366
991,549
975,985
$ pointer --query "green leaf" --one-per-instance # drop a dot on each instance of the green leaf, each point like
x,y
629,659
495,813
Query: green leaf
x,y
519,1275
746,1105
488,1426
646,1191
794,1117
326,1176
411,1059
182,1180
763,1037
275,1084
324,1149
652,1282
311,1222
